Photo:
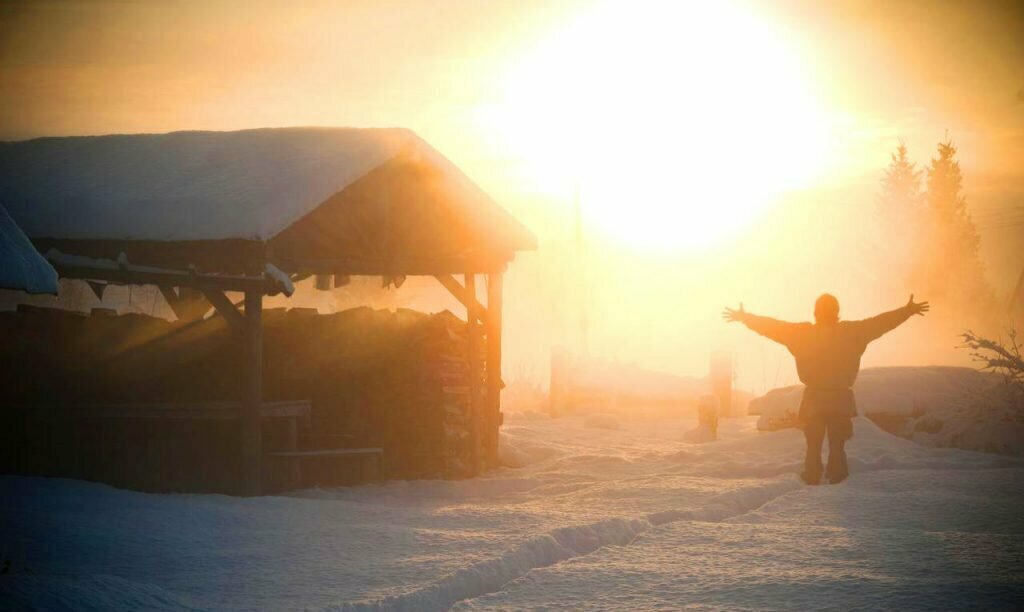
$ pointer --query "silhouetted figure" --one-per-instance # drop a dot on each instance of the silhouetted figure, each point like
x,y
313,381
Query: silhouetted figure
x,y
827,355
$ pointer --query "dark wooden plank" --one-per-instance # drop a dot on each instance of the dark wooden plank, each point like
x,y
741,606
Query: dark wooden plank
x,y
332,452
286,409
204,411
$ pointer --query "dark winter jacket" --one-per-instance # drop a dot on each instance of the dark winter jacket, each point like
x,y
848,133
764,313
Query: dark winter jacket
x,y
827,355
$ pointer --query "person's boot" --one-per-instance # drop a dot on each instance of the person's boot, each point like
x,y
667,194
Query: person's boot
x,y
810,478
837,470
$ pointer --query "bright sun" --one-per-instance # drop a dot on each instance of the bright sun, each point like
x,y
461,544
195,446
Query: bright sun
x,y
676,122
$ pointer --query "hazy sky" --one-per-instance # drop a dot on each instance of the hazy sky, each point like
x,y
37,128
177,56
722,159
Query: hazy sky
x,y
725,107
99,66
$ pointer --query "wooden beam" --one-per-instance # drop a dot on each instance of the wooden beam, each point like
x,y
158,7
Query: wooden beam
x,y
495,293
226,308
465,295
476,411
400,265
187,304
252,395
174,301
120,271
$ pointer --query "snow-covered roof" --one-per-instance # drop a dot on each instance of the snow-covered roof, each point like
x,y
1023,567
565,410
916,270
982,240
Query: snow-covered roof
x,y
208,186
21,266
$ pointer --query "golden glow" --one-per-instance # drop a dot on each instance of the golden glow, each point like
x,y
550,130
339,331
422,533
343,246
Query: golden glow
x,y
677,122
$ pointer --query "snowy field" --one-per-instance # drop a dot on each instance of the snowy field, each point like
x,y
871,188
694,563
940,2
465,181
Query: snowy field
x,y
599,514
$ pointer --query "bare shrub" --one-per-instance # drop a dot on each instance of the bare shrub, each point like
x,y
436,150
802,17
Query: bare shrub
x,y
1004,358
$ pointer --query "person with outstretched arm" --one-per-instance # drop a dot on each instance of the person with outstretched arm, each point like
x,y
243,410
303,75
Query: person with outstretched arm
x,y
827,354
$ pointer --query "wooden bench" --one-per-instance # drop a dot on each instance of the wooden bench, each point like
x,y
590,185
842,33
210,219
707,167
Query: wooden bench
x,y
152,446
311,468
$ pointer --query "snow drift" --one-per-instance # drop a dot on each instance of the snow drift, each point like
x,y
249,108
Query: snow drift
x,y
935,405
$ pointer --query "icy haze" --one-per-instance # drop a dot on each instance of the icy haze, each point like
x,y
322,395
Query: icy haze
x,y
599,514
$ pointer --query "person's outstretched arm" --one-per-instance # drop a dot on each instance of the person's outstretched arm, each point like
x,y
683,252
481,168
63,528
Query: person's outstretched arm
x,y
782,332
879,325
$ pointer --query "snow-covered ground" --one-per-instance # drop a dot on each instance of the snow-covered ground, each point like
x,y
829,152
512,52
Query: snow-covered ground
x,y
599,514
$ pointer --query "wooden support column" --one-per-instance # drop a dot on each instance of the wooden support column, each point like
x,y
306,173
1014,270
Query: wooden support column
x,y
252,394
493,418
473,347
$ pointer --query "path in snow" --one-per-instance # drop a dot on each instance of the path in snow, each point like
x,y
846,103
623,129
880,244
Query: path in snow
x,y
600,515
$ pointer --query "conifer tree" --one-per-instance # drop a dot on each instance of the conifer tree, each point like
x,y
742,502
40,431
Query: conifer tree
x,y
954,268
901,185
900,215
947,202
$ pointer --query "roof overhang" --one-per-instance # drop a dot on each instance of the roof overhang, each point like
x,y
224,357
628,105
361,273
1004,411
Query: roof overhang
x,y
306,200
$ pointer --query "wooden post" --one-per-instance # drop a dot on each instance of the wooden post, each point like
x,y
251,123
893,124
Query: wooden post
x,y
252,395
473,348
493,419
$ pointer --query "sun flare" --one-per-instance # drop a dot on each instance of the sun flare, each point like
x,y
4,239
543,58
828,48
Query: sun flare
x,y
676,123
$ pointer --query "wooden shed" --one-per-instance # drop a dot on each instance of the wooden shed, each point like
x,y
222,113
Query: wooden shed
x,y
199,214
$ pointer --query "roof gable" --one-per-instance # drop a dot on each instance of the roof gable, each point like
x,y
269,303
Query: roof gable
x,y
336,199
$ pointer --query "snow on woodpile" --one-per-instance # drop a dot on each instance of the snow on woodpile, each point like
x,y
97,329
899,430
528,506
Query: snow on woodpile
x,y
22,268
934,405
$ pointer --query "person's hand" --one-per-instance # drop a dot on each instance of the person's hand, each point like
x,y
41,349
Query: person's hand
x,y
731,315
916,308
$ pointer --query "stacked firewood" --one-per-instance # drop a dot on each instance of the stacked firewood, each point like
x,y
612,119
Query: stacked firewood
x,y
399,380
